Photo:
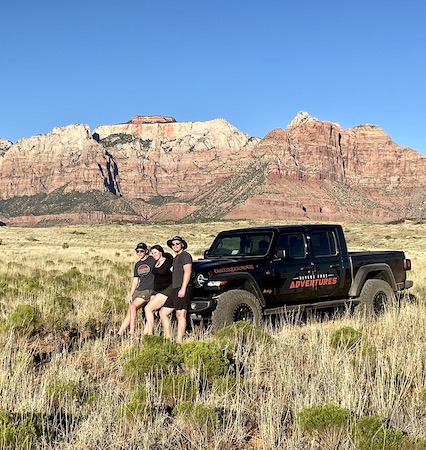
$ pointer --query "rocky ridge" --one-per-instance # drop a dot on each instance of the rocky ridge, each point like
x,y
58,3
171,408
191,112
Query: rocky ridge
x,y
155,168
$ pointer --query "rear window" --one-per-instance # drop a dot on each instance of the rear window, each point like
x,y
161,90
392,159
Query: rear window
x,y
324,243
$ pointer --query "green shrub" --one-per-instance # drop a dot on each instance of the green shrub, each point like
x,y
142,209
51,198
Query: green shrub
x,y
370,433
15,433
61,392
422,395
347,338
207,358
177,387
245,329
137,405
24,319
225,385
156,355
329,424
322,417
196,414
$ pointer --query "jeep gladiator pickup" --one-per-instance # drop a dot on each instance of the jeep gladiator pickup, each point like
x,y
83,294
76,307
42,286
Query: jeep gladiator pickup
x,y
253,273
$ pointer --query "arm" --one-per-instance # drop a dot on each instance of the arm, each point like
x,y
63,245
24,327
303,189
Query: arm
x,y
187,270
133,287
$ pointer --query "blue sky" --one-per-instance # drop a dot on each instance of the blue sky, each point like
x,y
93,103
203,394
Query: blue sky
x,y
253,63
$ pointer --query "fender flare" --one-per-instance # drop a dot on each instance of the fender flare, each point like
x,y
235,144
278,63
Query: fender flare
x,y
239,279
362,275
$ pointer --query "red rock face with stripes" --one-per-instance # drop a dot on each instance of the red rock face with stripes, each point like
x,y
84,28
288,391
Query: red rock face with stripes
x,y
155,168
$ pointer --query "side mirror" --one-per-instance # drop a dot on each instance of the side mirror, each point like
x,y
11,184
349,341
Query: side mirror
x,y
205,253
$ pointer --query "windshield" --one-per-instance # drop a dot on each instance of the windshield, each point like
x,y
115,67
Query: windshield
x,y
240,244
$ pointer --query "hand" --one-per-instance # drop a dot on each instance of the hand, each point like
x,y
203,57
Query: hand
x,y
181,292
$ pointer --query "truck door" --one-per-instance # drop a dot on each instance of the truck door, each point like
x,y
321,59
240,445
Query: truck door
x,y
292,270
329,266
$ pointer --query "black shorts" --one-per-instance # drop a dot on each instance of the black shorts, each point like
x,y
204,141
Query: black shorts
x,y
175,302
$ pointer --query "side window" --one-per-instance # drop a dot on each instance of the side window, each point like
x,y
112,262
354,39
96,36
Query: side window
x,y
293,244
324,243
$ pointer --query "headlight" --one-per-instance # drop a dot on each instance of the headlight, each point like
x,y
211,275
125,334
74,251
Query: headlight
x,y
199,280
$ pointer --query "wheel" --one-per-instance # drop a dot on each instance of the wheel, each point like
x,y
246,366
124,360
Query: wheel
x,y
236,305
375,297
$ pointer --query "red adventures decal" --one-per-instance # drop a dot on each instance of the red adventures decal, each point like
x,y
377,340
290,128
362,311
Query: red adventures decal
x,y
321,279
234,269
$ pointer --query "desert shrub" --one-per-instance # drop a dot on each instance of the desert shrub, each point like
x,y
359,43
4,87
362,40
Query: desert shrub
x,y
422,395
225,385
65,245
177,387
320,418
370,433
196,414
329,424
15,433
156,355
242,332
206,358
62,392
24,319
350,339
137,405
346,337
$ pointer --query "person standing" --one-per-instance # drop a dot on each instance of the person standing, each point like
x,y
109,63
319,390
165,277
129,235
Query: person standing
x,y
140,289
162,285
178,300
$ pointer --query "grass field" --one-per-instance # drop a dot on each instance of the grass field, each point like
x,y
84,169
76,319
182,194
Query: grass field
x,y
65,383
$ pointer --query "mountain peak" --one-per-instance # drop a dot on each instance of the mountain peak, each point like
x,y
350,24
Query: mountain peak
x,y
301,118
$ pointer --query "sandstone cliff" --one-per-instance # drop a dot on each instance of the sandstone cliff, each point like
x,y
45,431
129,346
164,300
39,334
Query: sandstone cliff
x,y
154,168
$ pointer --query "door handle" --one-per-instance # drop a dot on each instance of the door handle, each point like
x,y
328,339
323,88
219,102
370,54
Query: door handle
x,y
306,268
335,266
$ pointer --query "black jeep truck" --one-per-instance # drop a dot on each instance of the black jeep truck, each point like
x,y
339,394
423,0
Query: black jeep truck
x,y
252,273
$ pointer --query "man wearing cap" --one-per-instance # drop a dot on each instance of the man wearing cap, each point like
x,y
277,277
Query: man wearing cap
x,y
140,289
178,300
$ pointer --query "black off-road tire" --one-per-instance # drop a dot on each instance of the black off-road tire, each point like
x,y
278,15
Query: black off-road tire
x,y
236,305
376,296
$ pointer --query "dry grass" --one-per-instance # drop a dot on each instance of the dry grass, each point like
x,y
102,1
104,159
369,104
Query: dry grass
x,y
71,371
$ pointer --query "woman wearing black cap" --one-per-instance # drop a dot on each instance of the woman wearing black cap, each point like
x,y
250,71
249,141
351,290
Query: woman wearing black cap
x,y
140,289
178,300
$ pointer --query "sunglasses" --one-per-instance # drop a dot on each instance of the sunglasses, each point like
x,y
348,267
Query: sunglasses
x,y
176,243
140,251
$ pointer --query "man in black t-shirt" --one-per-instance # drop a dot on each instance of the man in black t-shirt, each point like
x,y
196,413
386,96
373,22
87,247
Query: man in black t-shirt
x,y
178,300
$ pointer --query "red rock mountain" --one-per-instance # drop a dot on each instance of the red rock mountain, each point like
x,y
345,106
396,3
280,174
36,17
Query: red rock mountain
x,y
154,168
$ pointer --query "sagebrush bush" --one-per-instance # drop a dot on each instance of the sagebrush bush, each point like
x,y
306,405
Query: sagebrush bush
x,y
329,424
24,319
322,417
177,387
226,385
207,359
196,414
61,392
347,338
244,329
17,433
156,355
137,405
370,433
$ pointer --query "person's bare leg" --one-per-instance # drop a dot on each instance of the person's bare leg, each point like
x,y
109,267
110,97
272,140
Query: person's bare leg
x,y
134,307
181,327
165,321
155,303
125,324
